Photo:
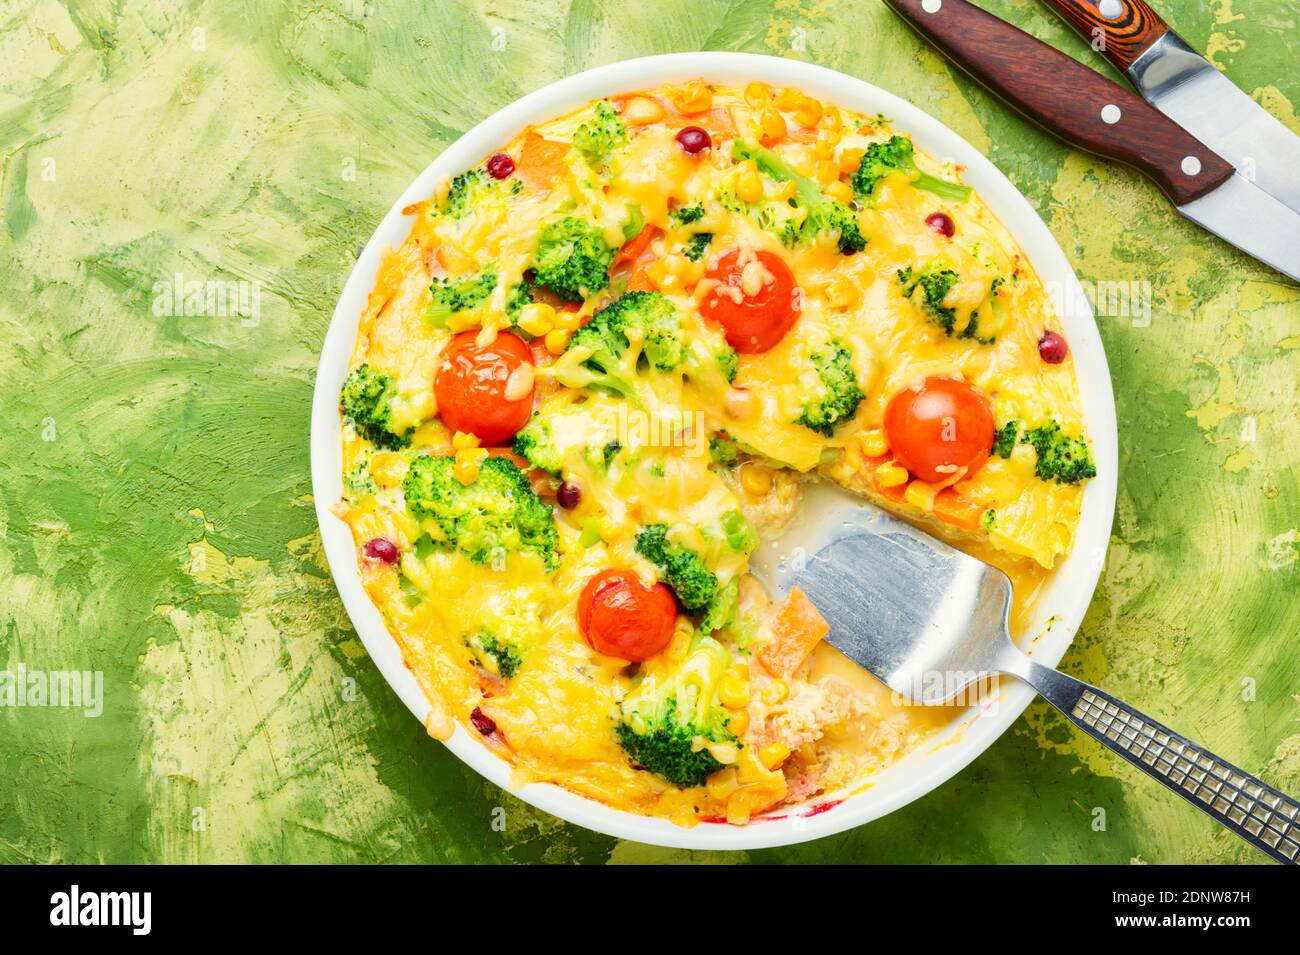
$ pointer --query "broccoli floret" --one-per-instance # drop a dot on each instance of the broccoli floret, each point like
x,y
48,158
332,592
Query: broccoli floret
x,y
723,449
635,324
1061,458
598,138
934,282
563,433
824,213
685,215
496,515
663,720
681,569
834,364
359,482
1004,439
449,296
697,245
518,297
472,189
533,442
499,657
366,401
729,362
573,258
896,155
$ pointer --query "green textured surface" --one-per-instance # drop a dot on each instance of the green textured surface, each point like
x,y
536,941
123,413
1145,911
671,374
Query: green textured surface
x,y
155,511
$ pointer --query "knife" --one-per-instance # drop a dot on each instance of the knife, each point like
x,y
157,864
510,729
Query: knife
x,y
1187,88
1090,112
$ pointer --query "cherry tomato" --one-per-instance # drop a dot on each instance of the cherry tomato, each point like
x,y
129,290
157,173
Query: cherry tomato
x,y
753,323
472,384
942,425
621,617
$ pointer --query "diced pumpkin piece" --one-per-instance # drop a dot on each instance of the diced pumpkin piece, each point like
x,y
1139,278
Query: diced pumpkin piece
x,y
951,508
541,161
796,629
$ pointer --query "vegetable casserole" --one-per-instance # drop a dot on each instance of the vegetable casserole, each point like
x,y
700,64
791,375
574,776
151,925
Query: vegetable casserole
x,y
601,371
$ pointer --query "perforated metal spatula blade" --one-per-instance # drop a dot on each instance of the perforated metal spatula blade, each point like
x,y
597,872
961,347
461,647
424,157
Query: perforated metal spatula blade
x,y
928,621
901,604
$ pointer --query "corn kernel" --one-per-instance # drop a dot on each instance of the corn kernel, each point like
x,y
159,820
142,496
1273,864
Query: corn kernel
x,y
773,755
537,318
463,321
775,692
464,439
789,98
692,98
557,339
738,722
733,691
786,191
873,443
920,494
722,783
808,113
827,171
773,125
749,187
465,470
663,273
831,120
641,110
843,292
890,474
756,480
757,94
851,159
387,468
568,321
824,147
840,191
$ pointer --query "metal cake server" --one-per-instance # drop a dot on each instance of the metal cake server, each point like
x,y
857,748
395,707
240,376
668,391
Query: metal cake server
x,y
930,621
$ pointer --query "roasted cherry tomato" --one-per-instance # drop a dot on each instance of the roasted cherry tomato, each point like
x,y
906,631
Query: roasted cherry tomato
x,y
755,301
485,390
938,427
621,617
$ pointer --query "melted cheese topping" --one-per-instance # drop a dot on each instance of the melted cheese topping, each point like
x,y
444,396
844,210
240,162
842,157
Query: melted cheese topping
x,y
554,717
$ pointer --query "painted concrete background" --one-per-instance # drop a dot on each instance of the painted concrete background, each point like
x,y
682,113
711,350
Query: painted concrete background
x,y
155,518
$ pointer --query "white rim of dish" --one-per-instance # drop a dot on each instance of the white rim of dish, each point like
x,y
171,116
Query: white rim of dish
x,y
1069,591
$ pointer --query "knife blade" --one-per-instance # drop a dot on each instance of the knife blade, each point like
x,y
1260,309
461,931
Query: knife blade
x,y
1187,88
1089,111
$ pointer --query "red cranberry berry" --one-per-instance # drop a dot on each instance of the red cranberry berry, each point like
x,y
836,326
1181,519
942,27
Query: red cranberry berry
x,y
482,722
568,496
500,166
382,549
1052,348
693,140
941,223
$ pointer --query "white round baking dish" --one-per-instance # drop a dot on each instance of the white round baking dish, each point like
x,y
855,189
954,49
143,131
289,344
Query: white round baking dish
x,y
1069,591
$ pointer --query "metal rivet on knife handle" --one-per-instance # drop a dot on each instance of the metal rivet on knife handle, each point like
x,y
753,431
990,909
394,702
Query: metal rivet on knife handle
x,y
1110,113
1128,27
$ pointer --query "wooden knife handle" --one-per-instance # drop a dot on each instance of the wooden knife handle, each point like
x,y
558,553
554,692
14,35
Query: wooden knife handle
x,y
1121,30
1067,98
